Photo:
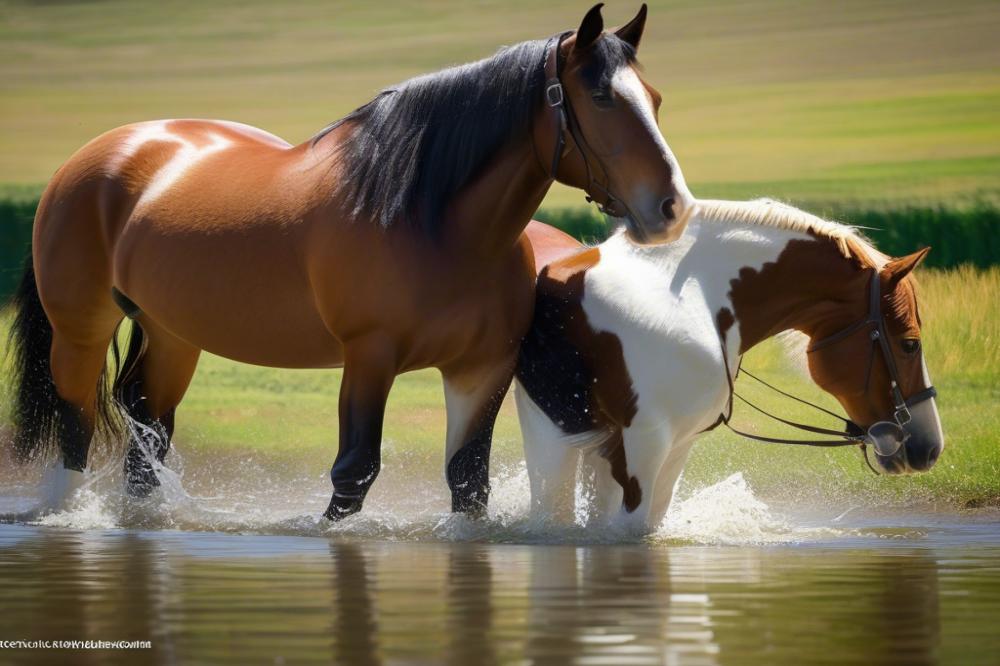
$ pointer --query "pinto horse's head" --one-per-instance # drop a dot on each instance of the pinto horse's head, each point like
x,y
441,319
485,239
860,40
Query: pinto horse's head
x,y
851,364
616,152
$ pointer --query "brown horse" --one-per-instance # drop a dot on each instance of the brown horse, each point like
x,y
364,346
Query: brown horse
x,y
390,241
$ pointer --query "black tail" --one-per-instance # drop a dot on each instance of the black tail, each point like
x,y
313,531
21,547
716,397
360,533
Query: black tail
x,y
42,419
36,403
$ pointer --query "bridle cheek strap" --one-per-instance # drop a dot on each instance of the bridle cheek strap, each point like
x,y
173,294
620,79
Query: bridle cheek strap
x,y
563,120
555,98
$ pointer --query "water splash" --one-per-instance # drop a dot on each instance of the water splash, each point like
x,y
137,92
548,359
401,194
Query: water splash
x,y
728,512
243,496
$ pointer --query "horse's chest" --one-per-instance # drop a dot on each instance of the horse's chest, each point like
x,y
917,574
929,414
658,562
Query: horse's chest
x,y
673,362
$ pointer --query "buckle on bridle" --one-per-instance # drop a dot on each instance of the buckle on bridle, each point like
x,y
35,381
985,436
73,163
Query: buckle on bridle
x,y
554,94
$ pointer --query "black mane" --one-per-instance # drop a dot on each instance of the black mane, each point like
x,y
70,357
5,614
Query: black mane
x,y
417,144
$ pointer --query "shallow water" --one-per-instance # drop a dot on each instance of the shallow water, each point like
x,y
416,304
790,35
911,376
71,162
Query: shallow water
x,y
229,567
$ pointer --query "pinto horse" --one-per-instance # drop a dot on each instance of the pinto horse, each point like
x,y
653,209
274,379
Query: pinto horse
x,y
633,350
388,242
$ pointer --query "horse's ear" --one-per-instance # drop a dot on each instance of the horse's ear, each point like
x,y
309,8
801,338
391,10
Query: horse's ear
x,y
897,269
631,32
590,28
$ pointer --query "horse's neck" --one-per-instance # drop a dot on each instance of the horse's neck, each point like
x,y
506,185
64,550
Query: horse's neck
x,y
773,279
492,211
807,286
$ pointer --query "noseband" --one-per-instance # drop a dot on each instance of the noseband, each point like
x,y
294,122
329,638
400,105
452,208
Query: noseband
x,y
564,119
853,434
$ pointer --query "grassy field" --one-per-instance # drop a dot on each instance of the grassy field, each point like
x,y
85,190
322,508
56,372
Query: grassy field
x,y
291,415
808,101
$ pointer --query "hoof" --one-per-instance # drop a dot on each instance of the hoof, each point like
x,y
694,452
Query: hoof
x,y
140,479
141,489
341,507
473,506
58,486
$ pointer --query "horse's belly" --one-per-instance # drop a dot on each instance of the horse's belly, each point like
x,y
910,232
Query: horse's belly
x,y
242,296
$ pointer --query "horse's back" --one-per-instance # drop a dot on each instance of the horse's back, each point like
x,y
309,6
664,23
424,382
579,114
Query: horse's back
x,y
201,223
133,167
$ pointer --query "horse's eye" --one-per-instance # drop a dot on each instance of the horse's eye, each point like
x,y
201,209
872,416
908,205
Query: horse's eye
x,y
602,97
911,345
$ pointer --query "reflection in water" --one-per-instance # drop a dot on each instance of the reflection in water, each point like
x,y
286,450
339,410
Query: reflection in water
x,y
355,626
603,602
209,597
907,614
469,607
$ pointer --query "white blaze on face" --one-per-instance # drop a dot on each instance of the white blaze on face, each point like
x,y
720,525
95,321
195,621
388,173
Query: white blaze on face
x,y
629,87
925,413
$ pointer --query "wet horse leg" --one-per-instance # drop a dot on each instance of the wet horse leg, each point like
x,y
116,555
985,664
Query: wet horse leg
x,y
645,450
369,370
551,460
666,482
76,370
158,371
473,399
76,367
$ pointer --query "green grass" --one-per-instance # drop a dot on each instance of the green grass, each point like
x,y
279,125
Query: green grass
x,y
803,101
291,415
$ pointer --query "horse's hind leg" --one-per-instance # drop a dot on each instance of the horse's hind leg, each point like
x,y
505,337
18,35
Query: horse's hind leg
x,y
77,369
156,372
473,399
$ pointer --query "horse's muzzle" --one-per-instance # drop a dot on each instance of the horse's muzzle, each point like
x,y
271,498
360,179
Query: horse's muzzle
x,y
664,223
922,442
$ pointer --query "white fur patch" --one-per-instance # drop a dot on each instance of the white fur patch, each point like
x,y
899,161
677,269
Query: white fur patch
x,y
926,411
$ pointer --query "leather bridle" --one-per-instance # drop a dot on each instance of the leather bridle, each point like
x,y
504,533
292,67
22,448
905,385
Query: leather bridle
x,y
853,434
564,119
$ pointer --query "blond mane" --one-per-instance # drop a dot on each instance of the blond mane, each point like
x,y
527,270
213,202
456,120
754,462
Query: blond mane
x,y
770,213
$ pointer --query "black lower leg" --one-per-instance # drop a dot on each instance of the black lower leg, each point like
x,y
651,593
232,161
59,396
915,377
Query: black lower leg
x,y
368,375
469,469
74,436
149,441
353,473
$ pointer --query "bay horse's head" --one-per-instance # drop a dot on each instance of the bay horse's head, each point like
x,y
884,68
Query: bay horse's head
x,y
614,148
875,367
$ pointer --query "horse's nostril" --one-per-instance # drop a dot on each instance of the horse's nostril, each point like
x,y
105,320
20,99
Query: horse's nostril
x,y
933,455
667,208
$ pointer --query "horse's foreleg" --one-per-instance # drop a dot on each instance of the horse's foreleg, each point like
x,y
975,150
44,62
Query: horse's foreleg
x,y
643,453
473,399
603,495
550,459
666,482
369,370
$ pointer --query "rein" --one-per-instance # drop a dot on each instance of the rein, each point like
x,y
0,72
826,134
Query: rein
x,y
564,119
853,434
